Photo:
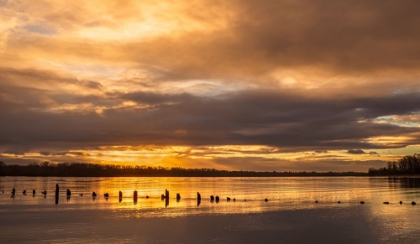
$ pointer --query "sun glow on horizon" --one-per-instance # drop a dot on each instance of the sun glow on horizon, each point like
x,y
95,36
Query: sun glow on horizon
x,y
208,156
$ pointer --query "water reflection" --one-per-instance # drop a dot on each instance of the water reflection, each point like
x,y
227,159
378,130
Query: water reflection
x,y
404,182
246,195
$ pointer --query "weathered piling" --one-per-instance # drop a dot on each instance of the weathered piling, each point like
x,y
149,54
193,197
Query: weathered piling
x,y
33,192
217,198
57,190
198,199
57,193
211,198
228,199
166,198
120,196
178,197
135,197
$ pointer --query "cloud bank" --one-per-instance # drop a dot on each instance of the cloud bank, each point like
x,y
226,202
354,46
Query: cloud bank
x,y
293,84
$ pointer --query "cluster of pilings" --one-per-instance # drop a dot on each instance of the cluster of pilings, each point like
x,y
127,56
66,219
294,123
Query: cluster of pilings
x,y
164,197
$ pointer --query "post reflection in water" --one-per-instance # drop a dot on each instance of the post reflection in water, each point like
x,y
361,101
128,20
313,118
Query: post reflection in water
x,y
403,182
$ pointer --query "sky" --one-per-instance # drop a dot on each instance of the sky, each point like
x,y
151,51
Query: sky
x,y
268,85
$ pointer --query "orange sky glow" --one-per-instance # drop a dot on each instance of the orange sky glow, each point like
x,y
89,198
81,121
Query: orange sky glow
x,y
238,85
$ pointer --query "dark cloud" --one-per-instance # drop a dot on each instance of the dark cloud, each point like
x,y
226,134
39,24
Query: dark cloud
x,y
33,78
286,120
356,151
155,98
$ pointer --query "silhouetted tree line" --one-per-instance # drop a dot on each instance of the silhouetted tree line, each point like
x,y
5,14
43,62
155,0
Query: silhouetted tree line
x,y
406,165
100,170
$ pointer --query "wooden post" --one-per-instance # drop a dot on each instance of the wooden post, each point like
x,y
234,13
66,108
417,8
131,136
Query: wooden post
x,y
135,197
57,191
166,197
198,199
120,196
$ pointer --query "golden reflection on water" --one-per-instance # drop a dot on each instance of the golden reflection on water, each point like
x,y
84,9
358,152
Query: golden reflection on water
x,y
286,193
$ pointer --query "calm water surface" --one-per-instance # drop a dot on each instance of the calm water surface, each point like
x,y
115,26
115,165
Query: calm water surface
x,y
282,193
290,210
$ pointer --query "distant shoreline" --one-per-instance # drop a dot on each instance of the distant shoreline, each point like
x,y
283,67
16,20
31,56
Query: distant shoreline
x,y
286,176
99,170
213,176
47,169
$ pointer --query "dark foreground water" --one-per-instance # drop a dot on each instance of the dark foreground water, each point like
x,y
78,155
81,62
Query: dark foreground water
x,y
291,214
